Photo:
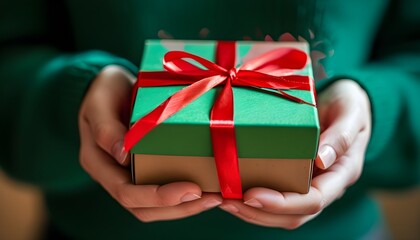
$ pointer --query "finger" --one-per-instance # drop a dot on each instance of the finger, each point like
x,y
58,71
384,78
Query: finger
x,y
344,111
116,180
262,218
334,181
325,188
106,111
272,201
206,202
338,137
109,134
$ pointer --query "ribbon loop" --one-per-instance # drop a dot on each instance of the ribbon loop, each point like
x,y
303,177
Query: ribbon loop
x,y
174,62
280,58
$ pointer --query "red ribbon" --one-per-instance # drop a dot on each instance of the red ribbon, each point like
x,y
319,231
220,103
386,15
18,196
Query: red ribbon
x,y
270,72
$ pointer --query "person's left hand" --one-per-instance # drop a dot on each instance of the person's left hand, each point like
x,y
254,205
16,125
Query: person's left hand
x,y
345,117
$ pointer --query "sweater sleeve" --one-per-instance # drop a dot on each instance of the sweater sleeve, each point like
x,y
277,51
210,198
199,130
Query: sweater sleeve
x,y
393,86
380,50
42,86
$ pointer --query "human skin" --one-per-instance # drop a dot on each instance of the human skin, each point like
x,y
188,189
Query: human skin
x,y
345,117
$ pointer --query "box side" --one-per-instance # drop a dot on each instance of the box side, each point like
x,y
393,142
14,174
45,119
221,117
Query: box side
x,y
285,175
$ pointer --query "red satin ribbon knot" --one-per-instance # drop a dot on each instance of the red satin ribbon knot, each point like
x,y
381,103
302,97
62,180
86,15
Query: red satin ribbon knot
x,y
272,71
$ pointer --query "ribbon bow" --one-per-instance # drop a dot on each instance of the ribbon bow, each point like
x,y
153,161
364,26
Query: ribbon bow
x,y
271,71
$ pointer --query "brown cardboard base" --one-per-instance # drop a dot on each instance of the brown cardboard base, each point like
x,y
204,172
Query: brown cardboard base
x,y
285,175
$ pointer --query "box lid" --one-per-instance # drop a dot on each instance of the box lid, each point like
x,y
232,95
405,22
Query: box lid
x,y
266,125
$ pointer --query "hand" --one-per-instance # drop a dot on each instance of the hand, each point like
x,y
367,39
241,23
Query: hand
x,y
345,117
102,123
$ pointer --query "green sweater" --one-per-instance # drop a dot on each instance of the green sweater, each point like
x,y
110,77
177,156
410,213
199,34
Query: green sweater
x,y
51,50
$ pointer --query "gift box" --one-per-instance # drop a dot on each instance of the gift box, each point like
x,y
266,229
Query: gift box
x,y
228,116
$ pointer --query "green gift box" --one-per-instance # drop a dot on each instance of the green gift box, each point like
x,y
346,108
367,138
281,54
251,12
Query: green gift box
x,y
276,138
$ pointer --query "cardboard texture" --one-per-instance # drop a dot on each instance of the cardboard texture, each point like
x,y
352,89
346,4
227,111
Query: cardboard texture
x,y
276,138
278,174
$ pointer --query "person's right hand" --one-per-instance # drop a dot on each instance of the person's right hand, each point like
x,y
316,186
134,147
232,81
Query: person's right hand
x,y
102,125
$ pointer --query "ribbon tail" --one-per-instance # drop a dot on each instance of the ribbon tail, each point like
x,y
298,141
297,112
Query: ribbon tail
x,y
224,144
168,108
294,99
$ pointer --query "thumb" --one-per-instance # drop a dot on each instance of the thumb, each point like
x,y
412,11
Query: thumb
x,y
105,107
337,139
338,136
109,135
344,111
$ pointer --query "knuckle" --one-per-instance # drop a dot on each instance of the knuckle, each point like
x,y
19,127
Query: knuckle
x,y
189,212
253,217
144,216
83,114
316,208
82,111
355,170
344,141
340,195
101,132
123,198
166,201
162,199
319,203
293,224
160,202
353,179
84,163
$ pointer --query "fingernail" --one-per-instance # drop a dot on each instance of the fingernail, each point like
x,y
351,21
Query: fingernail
x,y
189,197
212,203
118,152
123,156
327,155
229,208
253,203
